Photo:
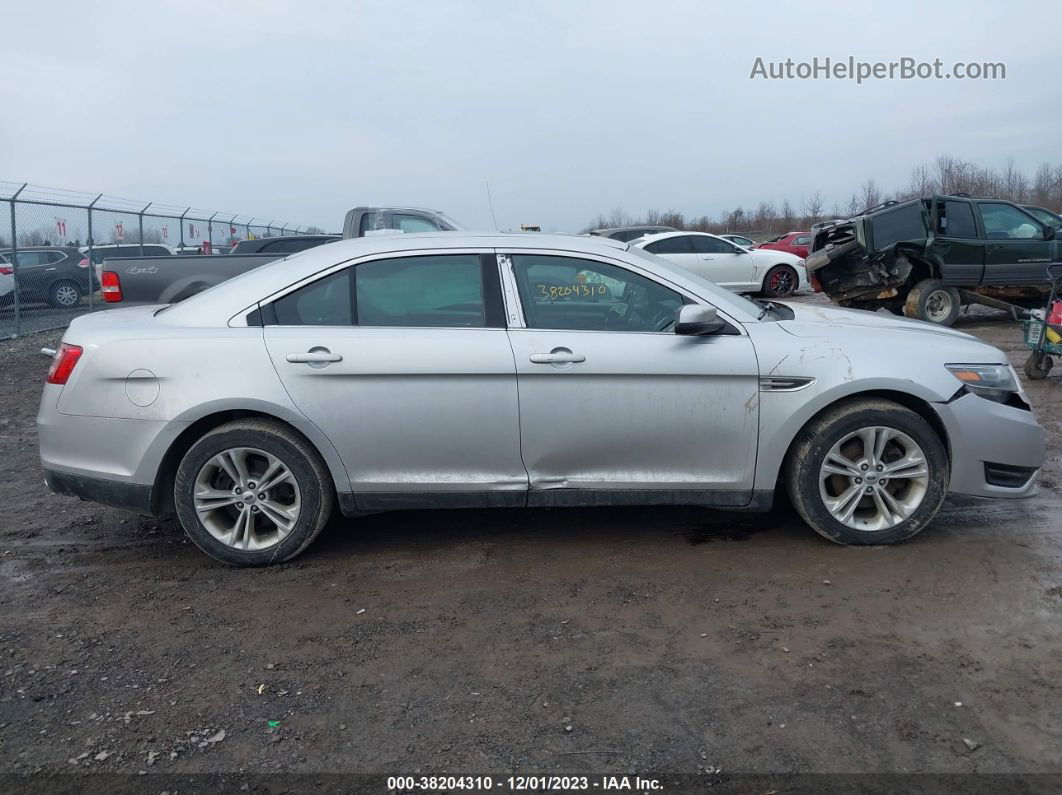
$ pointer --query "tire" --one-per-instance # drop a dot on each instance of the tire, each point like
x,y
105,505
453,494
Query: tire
x,y
930,300
781,281
304,500
809,485
1038,365
64,295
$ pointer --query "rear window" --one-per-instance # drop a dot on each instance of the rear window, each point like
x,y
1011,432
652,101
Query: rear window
x,y
892,226
679,244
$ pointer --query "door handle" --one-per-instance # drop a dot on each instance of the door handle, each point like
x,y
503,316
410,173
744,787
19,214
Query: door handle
x,y
315,356
557,357
707,257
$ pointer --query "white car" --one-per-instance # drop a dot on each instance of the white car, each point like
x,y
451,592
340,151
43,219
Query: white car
x,y
776,274
7,282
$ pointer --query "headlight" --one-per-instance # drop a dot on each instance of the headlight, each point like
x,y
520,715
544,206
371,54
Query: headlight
x,y
993,381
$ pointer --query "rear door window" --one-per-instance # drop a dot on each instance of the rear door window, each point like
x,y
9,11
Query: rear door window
x,y
432,291
958,220
413,223
680,244
710,245
325,302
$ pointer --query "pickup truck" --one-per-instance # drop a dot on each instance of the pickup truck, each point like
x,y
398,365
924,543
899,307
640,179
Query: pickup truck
x,y
166,280
926,258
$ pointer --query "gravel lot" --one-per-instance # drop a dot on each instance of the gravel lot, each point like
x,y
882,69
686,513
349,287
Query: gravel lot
x,y
683,643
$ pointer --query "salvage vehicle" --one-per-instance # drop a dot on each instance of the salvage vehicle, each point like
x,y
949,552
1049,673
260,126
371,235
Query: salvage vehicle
x,y
928,257
456,370
795,243
158,280
775,274
58,276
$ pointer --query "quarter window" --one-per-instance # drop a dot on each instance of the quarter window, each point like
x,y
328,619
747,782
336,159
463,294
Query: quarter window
x,y
1004,221
577,294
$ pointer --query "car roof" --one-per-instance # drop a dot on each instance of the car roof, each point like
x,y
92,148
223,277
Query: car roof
x,y
231,296
41,248
662,235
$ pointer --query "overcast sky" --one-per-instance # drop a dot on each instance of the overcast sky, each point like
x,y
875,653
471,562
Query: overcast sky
x,y
300,110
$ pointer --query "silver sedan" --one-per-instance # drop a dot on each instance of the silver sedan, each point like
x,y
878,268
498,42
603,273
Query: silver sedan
x,y
456,370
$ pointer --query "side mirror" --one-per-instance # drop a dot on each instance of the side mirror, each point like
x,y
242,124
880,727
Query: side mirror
x,y
696,320
1050,233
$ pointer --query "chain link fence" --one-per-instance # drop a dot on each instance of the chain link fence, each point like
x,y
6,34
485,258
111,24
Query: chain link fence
x,y
51,240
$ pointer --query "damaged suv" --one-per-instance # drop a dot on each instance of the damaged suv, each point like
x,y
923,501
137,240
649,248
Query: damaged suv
x,y
926,258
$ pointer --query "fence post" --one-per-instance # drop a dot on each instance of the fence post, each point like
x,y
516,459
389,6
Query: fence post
x,y
14,262
140,223
91,243
249,229
269,229
186,209
232,231
210,229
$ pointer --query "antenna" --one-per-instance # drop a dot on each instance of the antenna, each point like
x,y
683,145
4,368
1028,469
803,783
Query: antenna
x,y
490,203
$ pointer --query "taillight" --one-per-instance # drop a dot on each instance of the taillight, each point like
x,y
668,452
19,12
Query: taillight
x,y
84,263
111,287
64,362
6,270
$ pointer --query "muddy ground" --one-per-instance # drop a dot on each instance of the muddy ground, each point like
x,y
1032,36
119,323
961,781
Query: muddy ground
x,y
697,645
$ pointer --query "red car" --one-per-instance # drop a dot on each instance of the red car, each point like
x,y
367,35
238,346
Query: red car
x,y
798,243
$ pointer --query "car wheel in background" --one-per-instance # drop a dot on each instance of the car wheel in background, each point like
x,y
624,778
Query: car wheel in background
x,y
781,281
867,472
64,295
252,492
930,300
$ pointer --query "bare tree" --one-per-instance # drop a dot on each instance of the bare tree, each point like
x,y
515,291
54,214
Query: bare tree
x,y
812,206
871,194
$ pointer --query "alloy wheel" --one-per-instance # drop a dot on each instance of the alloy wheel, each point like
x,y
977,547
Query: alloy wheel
x,y
247,499
66,295
874,478
938,305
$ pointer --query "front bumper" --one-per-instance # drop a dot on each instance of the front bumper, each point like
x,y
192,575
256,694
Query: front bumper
x,y
981,432
131,496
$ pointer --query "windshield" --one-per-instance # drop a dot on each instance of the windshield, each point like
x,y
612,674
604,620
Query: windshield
x,y
719,296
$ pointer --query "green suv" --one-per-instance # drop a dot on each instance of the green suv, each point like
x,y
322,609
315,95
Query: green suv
x,y
927,257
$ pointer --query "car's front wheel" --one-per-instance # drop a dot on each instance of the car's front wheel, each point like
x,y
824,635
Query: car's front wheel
x,y
252,492
868,472
781,281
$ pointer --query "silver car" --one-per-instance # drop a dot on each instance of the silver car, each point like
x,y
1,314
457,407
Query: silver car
x,y
455,370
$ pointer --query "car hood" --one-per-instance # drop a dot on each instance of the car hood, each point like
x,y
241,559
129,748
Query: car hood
x,y
774,255
830,321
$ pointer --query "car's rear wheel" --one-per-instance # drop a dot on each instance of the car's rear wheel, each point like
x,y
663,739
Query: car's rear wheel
x,y
867,472
252,492
930,300
64,295
781,281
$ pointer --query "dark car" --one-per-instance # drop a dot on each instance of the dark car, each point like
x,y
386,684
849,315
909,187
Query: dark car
x,y
56,275
927,257
626,234
282,246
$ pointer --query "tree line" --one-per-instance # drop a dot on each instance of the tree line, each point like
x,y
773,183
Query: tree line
x,y
947,175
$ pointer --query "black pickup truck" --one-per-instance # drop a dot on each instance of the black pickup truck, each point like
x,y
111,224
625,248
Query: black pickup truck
x,y
927,257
